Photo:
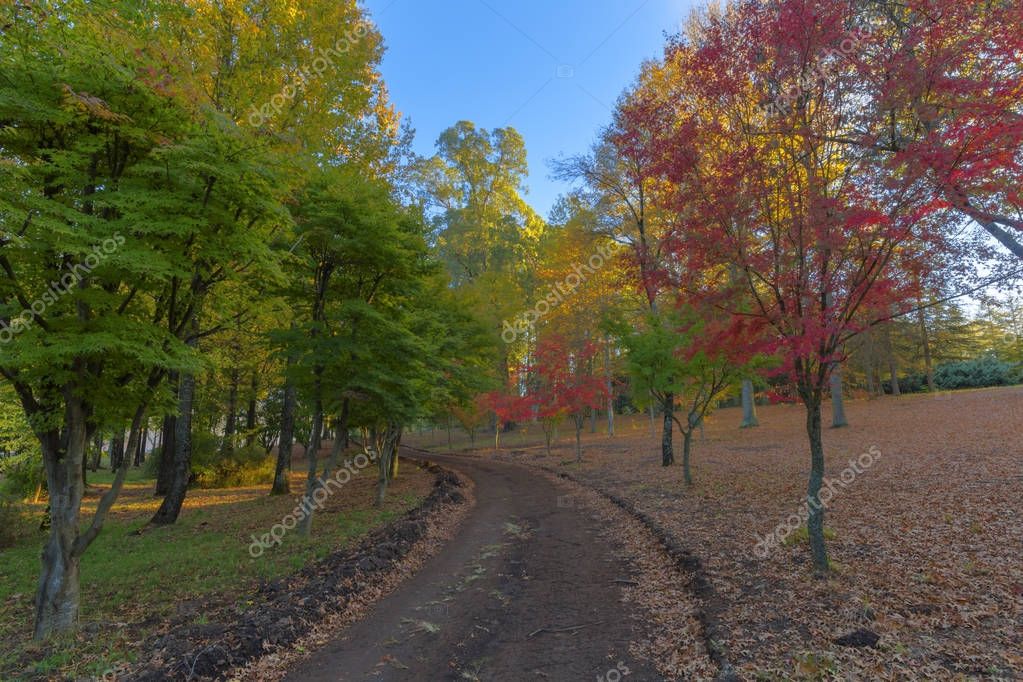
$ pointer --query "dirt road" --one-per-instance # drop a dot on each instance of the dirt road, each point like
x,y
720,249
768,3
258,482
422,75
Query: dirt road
x,y
526,591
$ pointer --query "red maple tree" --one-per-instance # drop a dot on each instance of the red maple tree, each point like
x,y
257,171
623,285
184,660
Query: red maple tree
x,y
562,385
822,242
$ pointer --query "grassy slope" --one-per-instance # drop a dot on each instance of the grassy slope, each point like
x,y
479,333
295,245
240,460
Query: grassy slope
x,y
131,583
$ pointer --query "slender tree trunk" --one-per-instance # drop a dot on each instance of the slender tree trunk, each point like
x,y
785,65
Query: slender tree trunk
x,y
449,432
687,450
250,412
838,419
893,367
97,453
117,450
609,385
340,443
58,592
282,484
57,595
667,449
386,449
305,526
165,473
170,508
815,521
140,452
925,340
578,441
392,473
749,405
232,416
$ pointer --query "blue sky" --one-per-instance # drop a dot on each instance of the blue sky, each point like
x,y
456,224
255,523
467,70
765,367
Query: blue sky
x,y
551,69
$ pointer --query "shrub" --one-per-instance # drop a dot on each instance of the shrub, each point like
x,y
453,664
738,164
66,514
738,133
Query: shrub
x,y
21,476
211,469
15,524
247,466
151,464
977,373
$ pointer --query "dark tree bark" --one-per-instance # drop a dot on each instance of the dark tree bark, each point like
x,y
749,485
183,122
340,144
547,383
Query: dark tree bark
x,y
579,422
58,593
165,473
893,366
687,450
282,485
667,447
306,524
140,451
97,452
232,415
170,509
609,383
387,446
250,412
117,450
815,521
925,340
838,419
749,405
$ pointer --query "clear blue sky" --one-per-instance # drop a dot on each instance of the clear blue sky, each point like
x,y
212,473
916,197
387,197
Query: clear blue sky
x,y
552,69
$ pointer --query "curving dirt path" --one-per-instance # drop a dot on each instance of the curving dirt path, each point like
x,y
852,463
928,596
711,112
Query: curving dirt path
x,y
525,591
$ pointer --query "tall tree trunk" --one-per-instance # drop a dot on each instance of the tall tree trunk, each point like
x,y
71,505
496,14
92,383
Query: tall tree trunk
x,y
250,412
749,405
815,521
893,367
58,592
232,415
609,385
578,441
305,526
117,450
925,340
392,470
170,508
97,451
282,485
57,595
838,419
340,443
386,449
667,447
165,473
140,451
687,450
449,433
